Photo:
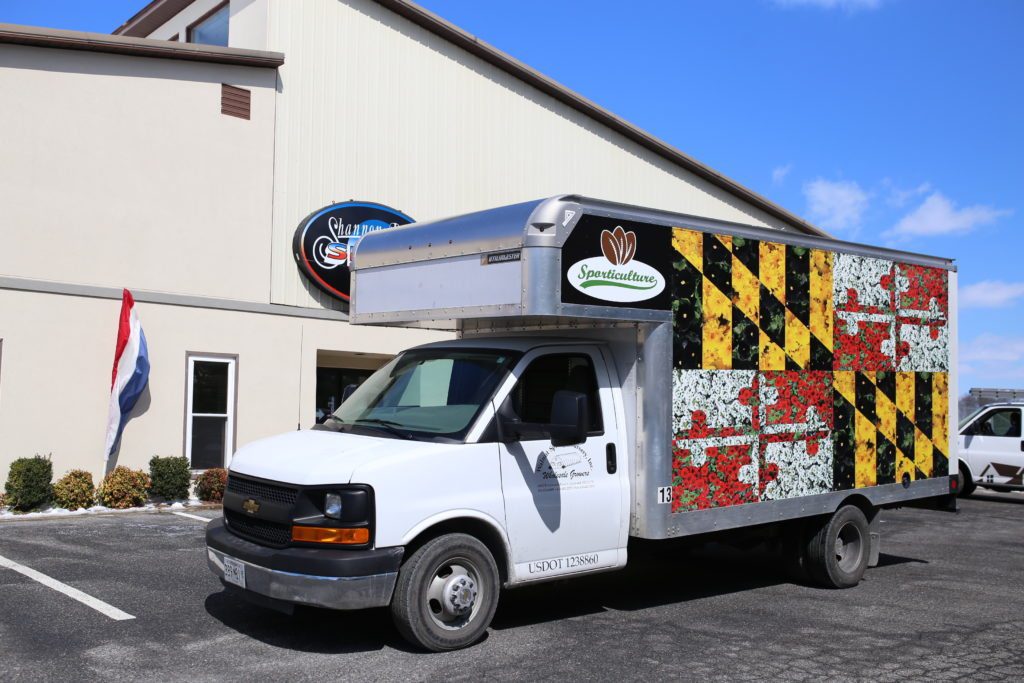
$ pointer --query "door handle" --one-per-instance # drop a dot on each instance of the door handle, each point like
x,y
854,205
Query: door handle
x,y
1022,445
609,452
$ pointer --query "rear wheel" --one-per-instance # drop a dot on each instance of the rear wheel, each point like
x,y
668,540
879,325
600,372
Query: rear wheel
x,y
838,548
966,483
446,593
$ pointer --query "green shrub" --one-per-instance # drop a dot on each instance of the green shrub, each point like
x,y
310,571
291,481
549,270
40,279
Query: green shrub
x,y
3,500
171,477
211,484
74,490
123,488
28,483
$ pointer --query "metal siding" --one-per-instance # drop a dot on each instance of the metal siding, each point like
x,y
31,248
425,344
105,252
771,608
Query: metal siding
x,y
445,133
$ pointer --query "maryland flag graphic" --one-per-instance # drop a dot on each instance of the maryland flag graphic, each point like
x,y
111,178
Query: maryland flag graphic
x,y
801,371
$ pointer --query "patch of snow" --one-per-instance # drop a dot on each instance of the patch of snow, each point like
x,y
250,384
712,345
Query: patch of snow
x,y
7,513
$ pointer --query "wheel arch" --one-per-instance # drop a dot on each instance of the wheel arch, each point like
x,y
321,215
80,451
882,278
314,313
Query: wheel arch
x,y
964,465
480,526
861,502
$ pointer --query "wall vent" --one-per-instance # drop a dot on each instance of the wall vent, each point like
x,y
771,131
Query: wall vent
x,y
235,101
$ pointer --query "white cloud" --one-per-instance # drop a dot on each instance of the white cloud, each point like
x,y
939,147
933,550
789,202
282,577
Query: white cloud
x,y
937,215
849,6
991,294
986,349
899,197
837,205
779,173
991,360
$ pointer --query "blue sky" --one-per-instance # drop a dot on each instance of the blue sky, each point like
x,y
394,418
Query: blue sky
x,y
893,122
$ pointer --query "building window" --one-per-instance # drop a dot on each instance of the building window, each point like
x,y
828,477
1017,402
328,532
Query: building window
x,y
212,28
210,419
173,39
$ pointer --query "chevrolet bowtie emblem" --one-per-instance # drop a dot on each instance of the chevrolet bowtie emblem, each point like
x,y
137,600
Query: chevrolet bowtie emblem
x,y
251,506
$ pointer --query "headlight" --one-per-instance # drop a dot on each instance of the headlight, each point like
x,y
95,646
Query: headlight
x,y
332,505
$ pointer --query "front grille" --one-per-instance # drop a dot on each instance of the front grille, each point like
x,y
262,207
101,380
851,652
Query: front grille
x,y
259,530
262,491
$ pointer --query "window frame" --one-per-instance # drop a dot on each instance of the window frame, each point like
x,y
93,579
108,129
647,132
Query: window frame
x,y
231,429
597,409
218,7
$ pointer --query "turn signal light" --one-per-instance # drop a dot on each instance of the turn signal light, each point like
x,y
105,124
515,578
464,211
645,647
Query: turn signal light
x,y
323,534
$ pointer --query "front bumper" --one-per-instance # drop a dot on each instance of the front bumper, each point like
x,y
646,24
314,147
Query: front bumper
x,y
335,579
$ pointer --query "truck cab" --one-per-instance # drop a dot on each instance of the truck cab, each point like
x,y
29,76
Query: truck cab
x,y
510,444
991,449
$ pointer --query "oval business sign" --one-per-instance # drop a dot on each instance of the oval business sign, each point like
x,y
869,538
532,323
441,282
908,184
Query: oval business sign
x,y
325,237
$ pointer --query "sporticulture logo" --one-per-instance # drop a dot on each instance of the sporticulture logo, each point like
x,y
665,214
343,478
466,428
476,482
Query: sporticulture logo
x,y
616,276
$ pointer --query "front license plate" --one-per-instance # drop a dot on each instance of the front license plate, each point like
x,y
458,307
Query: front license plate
x,y
234,571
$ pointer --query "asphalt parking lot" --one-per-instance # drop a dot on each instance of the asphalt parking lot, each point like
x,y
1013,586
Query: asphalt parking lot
x,y
945,603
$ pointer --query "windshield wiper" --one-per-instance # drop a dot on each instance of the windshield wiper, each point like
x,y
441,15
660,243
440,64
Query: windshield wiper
x,y
386,425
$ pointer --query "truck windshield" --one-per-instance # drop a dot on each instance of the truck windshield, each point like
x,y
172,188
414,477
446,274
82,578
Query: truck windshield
x,y
426,393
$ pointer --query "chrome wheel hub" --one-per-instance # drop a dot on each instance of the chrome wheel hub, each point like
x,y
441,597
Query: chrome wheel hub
x,y
460,594
453,594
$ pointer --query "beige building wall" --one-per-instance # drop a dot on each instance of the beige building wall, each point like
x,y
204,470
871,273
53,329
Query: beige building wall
x,y
374,107
57,354
121,171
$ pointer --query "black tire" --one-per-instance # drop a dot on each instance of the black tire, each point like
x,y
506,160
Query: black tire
x,y
967,484
455,570
838,548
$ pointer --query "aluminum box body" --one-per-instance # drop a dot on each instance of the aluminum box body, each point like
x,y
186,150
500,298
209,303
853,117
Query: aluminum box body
x,y
765,375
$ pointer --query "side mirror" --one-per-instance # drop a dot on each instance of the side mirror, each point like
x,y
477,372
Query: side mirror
x,y
569,413
347,391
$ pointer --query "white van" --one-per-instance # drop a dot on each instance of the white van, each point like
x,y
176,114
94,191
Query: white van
x,y
615,373
991,449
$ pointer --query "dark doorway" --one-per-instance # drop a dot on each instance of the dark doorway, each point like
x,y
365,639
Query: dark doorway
x,y
330,383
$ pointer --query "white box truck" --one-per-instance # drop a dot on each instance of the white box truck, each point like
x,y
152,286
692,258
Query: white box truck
x,y
616,372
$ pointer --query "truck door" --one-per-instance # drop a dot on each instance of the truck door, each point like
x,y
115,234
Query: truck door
x,y
563,504
993,446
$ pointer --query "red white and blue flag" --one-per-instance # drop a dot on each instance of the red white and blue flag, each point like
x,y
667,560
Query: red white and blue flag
x,y
131,371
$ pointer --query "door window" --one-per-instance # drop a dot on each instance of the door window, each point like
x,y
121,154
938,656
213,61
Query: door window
x,y
1003,422
535,392
210,423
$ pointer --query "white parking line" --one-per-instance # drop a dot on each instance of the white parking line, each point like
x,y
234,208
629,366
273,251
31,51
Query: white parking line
x,y
185,514
84,598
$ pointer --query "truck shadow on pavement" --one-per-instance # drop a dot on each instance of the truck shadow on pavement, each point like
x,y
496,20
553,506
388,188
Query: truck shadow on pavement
x,y
310,630
653,578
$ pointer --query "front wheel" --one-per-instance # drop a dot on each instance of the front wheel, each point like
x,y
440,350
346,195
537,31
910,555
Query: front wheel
x,y
446,593
837,549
